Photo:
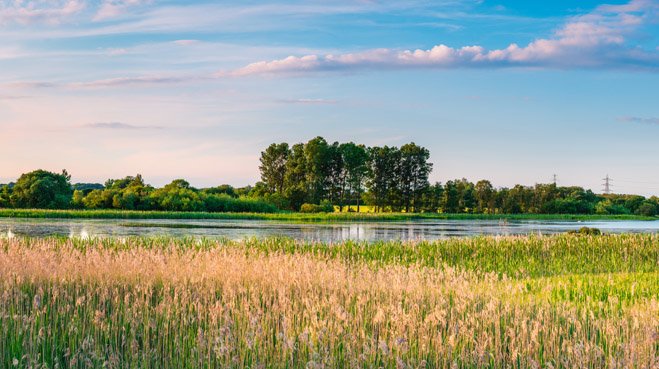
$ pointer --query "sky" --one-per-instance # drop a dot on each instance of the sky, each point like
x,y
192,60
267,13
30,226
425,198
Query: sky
x,y
510,91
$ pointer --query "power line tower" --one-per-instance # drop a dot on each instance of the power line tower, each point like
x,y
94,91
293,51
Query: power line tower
x,y
554,179
607,185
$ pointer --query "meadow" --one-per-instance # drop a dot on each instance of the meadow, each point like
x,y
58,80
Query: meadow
x,y
565,301
296,217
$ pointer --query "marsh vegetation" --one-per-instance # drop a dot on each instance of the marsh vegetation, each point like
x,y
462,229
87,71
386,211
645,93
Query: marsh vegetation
x,y
525,302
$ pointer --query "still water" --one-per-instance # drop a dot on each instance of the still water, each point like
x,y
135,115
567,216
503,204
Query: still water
x,y
326,232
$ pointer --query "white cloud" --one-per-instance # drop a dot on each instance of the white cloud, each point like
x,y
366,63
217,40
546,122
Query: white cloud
x,y
597,39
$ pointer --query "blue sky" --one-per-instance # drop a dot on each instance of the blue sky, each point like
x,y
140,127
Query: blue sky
x,y
512,91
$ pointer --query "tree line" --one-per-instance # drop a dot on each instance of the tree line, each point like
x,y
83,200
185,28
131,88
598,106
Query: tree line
x,y
41,189
317,176
463,196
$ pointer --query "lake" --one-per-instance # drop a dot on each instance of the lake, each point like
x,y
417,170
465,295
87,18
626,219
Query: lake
x,y
327,232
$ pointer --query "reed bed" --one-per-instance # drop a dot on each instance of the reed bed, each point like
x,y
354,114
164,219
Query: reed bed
x,y
167,303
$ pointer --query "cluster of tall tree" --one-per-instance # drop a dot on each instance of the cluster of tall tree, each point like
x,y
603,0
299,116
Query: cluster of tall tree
x,y
342,174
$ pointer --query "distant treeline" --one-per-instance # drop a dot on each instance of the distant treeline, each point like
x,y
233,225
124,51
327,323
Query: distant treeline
x,y
46,190
317,177
463,196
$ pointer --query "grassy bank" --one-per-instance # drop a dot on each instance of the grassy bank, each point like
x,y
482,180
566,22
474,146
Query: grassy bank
x,y
299,217
563,301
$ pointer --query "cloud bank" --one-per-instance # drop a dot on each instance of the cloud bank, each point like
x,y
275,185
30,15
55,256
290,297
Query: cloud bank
x,y
595,40
601,39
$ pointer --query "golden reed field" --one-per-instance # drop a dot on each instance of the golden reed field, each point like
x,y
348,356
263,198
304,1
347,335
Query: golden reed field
x,y
565,301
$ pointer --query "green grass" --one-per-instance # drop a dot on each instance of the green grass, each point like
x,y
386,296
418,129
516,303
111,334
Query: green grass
x,y
516,256
296,217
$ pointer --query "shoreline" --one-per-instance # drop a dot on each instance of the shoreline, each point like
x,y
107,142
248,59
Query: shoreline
x,y
301,217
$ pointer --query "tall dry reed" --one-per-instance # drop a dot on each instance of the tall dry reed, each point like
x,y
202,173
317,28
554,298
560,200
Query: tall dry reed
x,y
135,304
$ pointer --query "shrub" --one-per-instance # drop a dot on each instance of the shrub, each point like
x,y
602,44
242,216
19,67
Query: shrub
x,y
587,231
325,207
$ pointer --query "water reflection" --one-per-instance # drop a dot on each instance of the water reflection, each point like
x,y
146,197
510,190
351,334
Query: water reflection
x,y
327,232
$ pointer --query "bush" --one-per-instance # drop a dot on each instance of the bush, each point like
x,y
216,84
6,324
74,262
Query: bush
x,y
587,231
325,207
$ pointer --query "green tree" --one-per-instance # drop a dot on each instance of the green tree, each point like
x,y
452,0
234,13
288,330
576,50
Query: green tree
x,y
451,198
43,190
295,178
178,196
273,167
647,208
5,196
355,167
336,181
517,200
467,195
129,193
543,194
432,198
78,199
317,154
223,189
383,167
484,193
414,170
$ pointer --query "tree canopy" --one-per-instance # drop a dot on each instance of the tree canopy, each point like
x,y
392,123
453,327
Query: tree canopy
x,y
42,189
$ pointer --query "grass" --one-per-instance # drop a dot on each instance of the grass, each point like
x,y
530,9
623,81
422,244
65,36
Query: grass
x,y
566,301
296,217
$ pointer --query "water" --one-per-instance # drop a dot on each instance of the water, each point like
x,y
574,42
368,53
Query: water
x,y
327,232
